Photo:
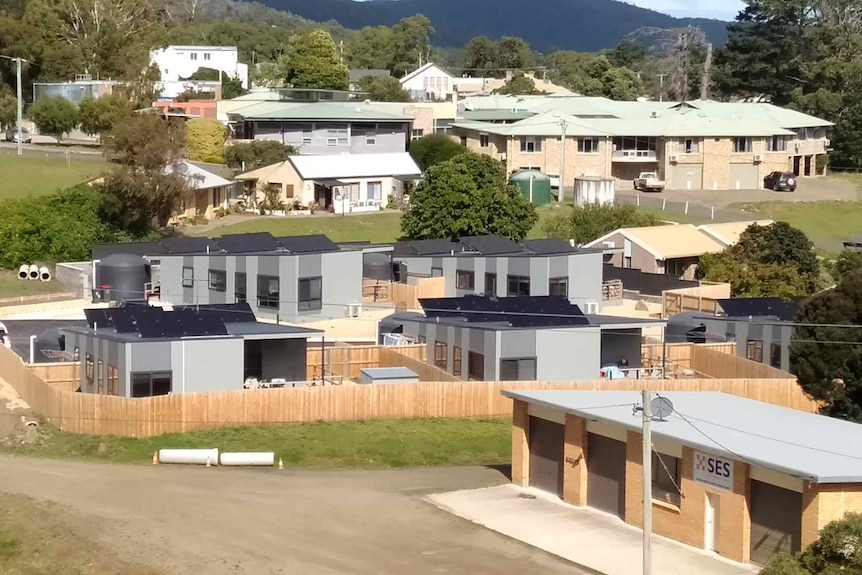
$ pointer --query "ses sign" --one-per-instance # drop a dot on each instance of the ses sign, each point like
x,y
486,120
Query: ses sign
x,y
713,471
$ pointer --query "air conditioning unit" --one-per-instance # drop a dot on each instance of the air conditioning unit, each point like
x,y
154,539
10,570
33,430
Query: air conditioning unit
x,y
354,309
758,158
591,307
674,159
503,157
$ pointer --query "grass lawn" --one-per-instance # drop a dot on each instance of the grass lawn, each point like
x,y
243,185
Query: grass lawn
x,y
11,286
36,175
368,444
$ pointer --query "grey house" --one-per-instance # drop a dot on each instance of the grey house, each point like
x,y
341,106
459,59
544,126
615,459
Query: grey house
x,y
492,265
142,351
325,127
542,338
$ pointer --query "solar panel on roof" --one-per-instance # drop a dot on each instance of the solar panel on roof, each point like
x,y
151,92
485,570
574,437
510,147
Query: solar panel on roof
x,y
101,251
428,247
307,244
784,310
188,245
98,317
248,243
491,245
181,323
226,312
535,311
548,246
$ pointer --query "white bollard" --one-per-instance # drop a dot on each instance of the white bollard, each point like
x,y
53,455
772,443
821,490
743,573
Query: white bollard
x,y
686,208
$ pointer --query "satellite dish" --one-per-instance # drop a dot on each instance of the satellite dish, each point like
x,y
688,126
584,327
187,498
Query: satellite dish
x,y
661,408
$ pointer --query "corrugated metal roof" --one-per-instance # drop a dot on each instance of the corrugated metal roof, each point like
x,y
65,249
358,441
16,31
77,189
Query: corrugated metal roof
x,y
667,242
728,233
198,178
815,447
355,166
304,111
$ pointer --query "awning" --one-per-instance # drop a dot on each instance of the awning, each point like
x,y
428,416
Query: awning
x,y
329,182
408,177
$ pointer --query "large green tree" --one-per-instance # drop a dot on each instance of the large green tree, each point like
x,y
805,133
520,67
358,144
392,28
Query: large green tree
x,y
433,149
590,222
384,89
481,57
97,116
836,551
8,109
54,116
467,196
313,61
518,84
204,140
249,156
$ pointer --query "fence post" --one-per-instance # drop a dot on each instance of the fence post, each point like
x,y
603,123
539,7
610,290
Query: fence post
x,y
712,213
686,208
663,204
638,198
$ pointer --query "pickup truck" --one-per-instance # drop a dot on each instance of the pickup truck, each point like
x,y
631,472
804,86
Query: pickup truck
x,y
648,182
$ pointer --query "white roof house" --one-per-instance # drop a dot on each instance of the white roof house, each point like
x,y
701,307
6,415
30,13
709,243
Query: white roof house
x,y
178,63
429,82
355,166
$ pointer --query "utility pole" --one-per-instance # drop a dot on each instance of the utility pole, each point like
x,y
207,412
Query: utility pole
x,y
704,81
563,125
341,51
18,62
646,398
661,78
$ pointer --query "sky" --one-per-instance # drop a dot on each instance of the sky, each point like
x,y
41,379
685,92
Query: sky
x,y
721,9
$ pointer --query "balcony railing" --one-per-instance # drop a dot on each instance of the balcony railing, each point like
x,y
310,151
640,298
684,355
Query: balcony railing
x,y
634,156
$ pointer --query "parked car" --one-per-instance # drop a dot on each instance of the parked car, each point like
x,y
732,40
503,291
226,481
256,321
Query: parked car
x,y
648,182
12,135
780,182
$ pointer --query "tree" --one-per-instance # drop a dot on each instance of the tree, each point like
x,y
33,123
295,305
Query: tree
x,y
627,54
467,196
621,84
823,357
54,116
514,54
848,262
8,109
433,149
205,140
780,244
835,551
518,84
268,75
312,61
384,89
190,94
231,87
98,116
249,156
411,41
481,57
371,48
590,222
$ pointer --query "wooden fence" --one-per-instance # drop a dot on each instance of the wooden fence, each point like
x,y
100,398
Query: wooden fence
x,y
680,354
62,376
720,365
393,357
347,360
408,296
703,298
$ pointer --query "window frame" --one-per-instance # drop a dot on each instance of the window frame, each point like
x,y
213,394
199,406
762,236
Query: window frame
x,y
416,134
152,376
754,350
89,367
593,147
526,142
664,487
475,366
746,145
493,283
113,380
468,275
441,355
776,144
236,287
214,286
559,281
436,272
484,140
267,301
379,184
101,374
456,360
309,302
520,364
693,148
188,281
520,279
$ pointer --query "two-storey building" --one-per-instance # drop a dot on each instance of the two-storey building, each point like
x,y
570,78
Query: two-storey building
x,y
177,64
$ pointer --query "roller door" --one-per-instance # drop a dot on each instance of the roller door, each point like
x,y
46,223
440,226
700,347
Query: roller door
x,y
685,177
744,177
547,441
776,521
606,474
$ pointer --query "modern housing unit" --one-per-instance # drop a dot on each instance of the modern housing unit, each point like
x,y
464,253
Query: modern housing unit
x,y
178,63
338,183
328,127
542,338
496,266
691,145
731,475
143,351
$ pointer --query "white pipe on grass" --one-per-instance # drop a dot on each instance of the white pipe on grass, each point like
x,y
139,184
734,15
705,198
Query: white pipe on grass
x,y
33,272
189,456
44,274
24,272
248,458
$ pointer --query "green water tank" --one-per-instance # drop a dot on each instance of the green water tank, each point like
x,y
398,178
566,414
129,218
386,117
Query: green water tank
x,y
535,186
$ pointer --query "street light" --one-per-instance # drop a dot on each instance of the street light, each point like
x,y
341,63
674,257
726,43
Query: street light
x,y
18,62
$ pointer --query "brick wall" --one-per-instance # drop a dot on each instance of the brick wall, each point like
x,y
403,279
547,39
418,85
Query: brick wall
x,y
575,461
827,502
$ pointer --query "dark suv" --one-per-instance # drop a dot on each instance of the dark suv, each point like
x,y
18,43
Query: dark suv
x,y
780,182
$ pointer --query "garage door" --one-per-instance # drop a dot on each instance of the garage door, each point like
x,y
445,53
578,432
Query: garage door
x,y
685,177
547,440
744,177
606,474
776,521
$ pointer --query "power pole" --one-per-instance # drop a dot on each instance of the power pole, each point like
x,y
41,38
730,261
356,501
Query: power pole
x,y
704,81
681,72
661,78
563,125
646,398
341,52
20,107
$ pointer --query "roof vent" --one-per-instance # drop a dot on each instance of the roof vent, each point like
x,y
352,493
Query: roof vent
x,y
358,110
653,114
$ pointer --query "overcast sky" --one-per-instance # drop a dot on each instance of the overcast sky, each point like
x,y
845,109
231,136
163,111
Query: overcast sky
x,y
723,9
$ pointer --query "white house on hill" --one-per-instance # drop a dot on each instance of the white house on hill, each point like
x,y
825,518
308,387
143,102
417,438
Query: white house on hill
x,y
178,62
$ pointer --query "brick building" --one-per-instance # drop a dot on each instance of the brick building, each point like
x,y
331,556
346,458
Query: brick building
x,y
692,145
738,477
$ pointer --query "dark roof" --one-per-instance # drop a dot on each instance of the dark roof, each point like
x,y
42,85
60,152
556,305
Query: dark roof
x,y
101,251
491,245
188,245
248,243
548,246
227,312
427,248
308,244
533,311
785,310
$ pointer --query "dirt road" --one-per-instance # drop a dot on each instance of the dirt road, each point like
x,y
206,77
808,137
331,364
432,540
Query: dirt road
x,y
230,521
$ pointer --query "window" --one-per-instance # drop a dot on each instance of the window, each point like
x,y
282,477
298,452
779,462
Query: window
x,y
188,276
558,286
436,272
588,145
113,380
665,478
101,380
741,145
151,384
368,131
531,145
206,55
476,366
374,191
417,134
518,369
218,280
240,288
465,280
310,294
441,354
518,286
288,190
484,140
754,350
689,145
336,136
88,367
490,284
464,141
776,144
193,56
456,361
307,132
775,355
267,291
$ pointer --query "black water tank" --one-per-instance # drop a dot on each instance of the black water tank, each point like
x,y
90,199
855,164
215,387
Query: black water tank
x,y
121,277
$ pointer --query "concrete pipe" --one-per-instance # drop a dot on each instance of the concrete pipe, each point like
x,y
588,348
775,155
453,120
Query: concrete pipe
x,y
259,458
23,272
44,274
189,456
33,273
